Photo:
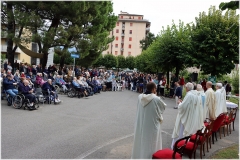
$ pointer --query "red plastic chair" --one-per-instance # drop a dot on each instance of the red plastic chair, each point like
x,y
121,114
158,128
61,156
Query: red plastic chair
x,y
191,147
176,153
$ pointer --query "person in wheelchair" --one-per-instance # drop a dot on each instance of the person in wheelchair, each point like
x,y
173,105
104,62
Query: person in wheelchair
x,y
48,87
28,92
78,87
9,86
31,84
61,83
97,83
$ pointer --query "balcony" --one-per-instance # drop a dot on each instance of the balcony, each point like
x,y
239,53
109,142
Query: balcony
x,y
148,29
123,28
123,34
122,49
4,48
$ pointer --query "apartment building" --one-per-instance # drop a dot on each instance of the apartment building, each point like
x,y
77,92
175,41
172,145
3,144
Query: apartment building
x,y
20,56
129,30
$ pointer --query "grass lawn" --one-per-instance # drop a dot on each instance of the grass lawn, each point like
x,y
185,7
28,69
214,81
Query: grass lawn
x,y
234,100
227,153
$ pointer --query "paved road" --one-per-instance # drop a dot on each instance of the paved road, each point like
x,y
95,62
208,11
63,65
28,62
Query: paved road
x,y
96,127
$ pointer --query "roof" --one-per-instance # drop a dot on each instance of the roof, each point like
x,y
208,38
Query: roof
x,y
134,20
127,14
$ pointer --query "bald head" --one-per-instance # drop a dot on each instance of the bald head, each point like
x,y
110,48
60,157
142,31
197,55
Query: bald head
x,y
209,84
25,82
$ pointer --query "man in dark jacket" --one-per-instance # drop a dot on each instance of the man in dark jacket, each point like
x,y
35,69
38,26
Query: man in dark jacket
x,y
9,85
27,92
48,87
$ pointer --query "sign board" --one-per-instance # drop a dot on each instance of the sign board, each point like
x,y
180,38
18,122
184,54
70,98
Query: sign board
x,y
212,79
74,55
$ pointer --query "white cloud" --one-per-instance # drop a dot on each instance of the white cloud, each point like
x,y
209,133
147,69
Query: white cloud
x,y
161,13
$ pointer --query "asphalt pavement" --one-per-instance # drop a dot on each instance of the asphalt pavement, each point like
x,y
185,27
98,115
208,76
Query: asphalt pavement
x,y
100,126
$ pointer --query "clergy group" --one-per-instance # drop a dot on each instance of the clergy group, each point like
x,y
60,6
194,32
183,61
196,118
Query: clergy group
x,y
196,106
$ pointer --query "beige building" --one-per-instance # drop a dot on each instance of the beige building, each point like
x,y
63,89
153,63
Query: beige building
x,y
129,30
20,56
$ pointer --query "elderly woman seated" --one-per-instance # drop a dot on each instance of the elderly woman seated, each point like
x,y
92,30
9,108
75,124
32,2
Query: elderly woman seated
x,y
39,79
60,82
78,87
97,83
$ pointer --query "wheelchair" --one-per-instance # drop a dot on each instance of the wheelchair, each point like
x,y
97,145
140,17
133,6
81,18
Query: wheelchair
x,y
20,101
48,97
59,88
74,92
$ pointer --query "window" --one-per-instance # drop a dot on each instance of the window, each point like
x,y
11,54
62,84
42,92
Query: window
x,y
131,24
121,17
139,17
130,31
116,52
130,38
122,53
129,46
117,38
107,52
117,23
129,53
117,31
116,45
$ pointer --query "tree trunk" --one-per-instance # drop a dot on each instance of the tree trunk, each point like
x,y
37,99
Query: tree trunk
x,y
168,77
177,72
62,59
11,30
44,60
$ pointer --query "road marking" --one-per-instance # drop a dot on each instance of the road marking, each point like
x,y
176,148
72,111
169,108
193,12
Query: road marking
x,y
84,155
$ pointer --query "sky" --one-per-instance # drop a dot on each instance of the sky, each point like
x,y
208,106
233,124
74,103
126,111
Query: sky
x,y
162,12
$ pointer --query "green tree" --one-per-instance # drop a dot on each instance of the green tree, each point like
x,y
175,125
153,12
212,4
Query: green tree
x,y
14,17
172,49
99,62
130,62
216,46
84,25
147,41
109,61
121,61
68,60
229,5
98,33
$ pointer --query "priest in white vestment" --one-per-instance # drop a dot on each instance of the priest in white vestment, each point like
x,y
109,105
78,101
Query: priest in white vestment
x,y
220,93
210,103
147,134
189,119
203,98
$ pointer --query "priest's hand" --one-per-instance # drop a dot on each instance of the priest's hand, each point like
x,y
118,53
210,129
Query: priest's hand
x,y
179,101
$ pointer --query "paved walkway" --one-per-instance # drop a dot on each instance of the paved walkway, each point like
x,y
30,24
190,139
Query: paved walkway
x,y
96,127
